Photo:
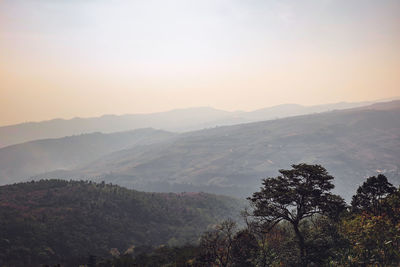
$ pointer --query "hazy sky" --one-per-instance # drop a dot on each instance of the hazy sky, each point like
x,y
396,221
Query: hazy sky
x,y
66,58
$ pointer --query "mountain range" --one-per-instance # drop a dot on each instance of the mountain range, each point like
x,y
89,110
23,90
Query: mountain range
x,y
21,161
180,120
351,144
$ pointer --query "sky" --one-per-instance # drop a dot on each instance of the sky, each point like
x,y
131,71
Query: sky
x,y
85,58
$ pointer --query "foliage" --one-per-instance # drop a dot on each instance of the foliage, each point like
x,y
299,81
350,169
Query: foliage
x,y
245,249
183,256
375,238
294,196
295,221
324,242
370,194
216,245
56,221
332,236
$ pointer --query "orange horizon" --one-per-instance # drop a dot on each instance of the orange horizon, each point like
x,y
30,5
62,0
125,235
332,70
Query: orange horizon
x,y
63,60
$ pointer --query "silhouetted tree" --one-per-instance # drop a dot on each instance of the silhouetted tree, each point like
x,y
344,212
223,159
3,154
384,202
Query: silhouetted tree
x,y
295,195
370,194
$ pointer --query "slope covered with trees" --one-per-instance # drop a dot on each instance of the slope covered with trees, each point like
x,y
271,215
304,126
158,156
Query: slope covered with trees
x,y
55,221
296,221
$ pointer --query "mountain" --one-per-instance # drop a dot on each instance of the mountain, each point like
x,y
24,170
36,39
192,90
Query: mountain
x,y
180,120
171,120
351,144
19,162
55,221
288,110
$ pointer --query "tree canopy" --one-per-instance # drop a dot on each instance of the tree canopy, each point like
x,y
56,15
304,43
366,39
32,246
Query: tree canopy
x,y
296,221
296,194
370,193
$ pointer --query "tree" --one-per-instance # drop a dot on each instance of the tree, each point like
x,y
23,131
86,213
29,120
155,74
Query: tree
x,y
391,207
216,245
374,240
244,249
370,194
373,229
295,195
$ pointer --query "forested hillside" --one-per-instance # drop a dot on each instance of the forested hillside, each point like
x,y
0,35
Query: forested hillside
x,y
55,221
296,221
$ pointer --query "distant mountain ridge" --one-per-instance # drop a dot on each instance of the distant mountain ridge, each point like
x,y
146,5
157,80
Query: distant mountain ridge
x,y
21,161
181,120
351,144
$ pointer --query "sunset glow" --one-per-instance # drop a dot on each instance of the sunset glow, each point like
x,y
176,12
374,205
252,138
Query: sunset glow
x,y
89,58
